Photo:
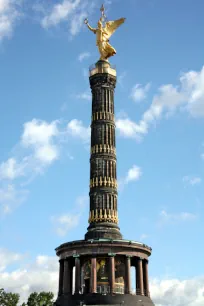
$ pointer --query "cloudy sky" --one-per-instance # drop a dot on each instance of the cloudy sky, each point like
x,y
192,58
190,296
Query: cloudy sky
x,y
45,54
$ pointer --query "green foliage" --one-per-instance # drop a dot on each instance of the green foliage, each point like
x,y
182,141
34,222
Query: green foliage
x,y
8,298
40,299
35,299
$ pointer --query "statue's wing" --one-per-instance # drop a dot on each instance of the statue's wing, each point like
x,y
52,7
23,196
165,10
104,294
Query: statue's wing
x,y
111,26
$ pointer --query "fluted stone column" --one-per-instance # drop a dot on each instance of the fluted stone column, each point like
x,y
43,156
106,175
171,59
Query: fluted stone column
x,y
67,277
61,274
140,276
146,278
127,275
103,215
93,275
77,275
112,273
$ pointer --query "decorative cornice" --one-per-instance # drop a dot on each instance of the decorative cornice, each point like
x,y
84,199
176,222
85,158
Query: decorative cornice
x,y
102,79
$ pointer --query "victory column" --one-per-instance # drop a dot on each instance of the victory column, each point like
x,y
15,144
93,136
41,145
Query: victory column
x,y
97,270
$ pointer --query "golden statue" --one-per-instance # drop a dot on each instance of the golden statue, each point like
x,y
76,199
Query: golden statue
x,y
103,33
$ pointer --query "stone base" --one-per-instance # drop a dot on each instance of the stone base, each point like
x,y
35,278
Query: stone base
x,y
105,300
103,231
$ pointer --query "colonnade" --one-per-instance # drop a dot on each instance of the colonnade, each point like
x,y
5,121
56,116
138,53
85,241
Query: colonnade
x,y
66,275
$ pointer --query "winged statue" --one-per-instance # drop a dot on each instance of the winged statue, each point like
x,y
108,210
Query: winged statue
x,y
103,33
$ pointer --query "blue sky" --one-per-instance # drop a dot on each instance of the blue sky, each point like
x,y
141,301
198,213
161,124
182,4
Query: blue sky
x,y
45,54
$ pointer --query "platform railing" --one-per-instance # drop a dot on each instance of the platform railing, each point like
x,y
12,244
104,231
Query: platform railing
x,y
103,289
110,69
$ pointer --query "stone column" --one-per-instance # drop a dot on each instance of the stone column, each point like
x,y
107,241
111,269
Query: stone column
x,y
61,272
137,277
112,273
77,275
67,277
140,277
93,275
127,275
146,278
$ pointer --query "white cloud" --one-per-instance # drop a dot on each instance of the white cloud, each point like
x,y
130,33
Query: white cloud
x,y
202,156
65,223
9,14
10,198
68,221
121,77
85,73
177,292
7,257
75,128
11,169
130,129
77,22
133,174
38,148
143,236
82,202
83,56
38,132
70,12
192,180
39,136
38,275
187,96
60,12
84,96
166,217
139,92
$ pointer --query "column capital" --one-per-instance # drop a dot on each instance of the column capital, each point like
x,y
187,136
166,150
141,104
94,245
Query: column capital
x,y
111,254
76,255
128,256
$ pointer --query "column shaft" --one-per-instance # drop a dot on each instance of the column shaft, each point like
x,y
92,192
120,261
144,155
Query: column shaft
x,y
112,273
61,272
146,278
67,277
140,274
93,275
127,276
77,275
